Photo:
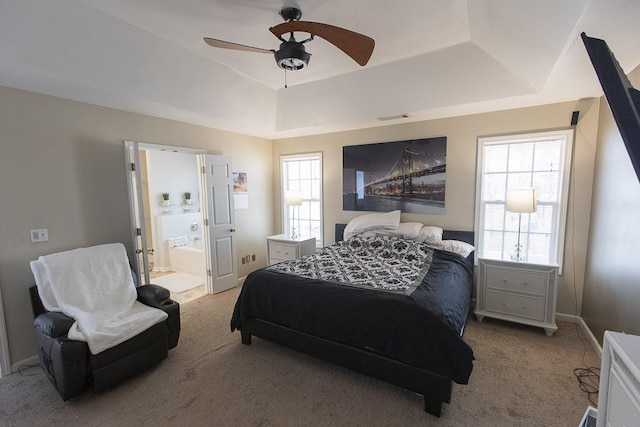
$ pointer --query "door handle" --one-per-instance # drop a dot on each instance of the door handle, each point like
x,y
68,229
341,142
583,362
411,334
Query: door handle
x,y
232,230
150,251
138,251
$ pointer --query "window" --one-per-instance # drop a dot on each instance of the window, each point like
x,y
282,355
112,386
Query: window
x,y
541,161
303,173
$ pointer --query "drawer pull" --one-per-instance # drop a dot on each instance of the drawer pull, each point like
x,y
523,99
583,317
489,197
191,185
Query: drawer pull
x,y
524,307
504,303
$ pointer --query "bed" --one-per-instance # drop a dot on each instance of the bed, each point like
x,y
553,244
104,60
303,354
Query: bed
x,y
409,334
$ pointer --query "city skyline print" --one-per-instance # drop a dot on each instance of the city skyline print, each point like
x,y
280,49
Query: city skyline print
x,y
408,175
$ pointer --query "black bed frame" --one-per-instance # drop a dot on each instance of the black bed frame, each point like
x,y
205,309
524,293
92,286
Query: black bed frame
x,y
435,388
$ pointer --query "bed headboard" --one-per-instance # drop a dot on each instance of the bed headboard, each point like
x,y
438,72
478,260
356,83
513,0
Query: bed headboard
x,y
340,232
464,236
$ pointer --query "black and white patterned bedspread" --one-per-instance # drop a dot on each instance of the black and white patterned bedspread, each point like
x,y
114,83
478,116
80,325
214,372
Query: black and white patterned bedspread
x,y
380,262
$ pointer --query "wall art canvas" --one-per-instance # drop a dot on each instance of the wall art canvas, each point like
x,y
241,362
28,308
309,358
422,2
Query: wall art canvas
x,y
407,175
240,191
239,182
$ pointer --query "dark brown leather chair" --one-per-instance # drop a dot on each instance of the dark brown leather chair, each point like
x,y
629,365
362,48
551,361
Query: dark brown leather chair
x,y
73,369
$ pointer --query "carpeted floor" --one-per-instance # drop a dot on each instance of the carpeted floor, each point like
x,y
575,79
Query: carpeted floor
x,y
521,378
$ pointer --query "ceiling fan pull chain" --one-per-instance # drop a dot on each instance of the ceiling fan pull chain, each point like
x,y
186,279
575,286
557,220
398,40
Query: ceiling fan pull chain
x,y
285,78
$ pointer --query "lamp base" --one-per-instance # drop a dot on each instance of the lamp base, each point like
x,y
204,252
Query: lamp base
x,y
294,235
518,255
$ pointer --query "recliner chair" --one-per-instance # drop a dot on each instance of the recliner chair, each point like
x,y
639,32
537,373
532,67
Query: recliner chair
x,y
73,369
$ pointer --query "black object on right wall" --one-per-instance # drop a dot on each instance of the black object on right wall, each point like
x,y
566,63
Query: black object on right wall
x,y
623,98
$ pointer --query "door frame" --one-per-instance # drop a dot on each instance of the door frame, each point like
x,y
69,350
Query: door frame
x,y
136,147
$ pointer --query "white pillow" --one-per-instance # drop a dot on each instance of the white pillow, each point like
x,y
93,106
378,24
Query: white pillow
x,y
457,247
405,230
374,221
410,230
430,235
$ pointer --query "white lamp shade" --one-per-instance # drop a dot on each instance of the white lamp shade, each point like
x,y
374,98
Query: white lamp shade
x,y
293,198
522,200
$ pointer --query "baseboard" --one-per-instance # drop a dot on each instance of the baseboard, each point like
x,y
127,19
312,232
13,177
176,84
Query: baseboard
x,y
31,361
580,322
569,318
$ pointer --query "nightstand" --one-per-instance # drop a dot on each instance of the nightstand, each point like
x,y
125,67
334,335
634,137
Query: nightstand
x,y
619,397
517,292
282,247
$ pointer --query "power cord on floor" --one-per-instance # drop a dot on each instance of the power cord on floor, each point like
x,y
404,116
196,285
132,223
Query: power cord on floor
x,y
589,379
23,370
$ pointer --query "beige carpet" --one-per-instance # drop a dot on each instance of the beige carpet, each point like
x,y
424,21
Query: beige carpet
x,y
520,378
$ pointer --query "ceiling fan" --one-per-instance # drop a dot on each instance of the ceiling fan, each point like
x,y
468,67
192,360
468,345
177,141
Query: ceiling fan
x,y
292,55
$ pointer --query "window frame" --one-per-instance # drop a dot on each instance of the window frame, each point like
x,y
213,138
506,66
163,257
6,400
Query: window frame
x,y
560,218
284,187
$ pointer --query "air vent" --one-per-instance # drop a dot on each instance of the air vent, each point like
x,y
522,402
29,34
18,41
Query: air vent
x,y
397,116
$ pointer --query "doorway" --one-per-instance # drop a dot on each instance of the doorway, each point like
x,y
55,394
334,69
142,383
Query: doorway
x,y
173,237
174,225
182,219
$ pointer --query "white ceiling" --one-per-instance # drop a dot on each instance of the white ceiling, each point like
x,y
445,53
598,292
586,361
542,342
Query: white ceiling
x,y
432,58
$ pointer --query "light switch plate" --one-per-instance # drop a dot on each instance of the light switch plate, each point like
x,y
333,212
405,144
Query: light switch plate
x,y
39,235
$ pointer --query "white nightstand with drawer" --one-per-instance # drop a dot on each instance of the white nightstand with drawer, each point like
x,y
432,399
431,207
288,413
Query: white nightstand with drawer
x,y
281,248
517,292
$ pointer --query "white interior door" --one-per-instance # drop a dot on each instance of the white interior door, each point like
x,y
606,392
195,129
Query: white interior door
x,y
222,273
136,208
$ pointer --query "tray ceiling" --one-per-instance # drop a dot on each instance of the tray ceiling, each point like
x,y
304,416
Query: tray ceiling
x,y
432,58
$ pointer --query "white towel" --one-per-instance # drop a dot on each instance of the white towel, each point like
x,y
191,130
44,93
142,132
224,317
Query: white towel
x,y
175,242
94,286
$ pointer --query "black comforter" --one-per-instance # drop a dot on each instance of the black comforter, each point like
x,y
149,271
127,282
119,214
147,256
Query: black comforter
x,y
422,329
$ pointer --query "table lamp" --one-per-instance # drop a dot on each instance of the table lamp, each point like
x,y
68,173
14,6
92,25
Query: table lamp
x,y
521,200
293,198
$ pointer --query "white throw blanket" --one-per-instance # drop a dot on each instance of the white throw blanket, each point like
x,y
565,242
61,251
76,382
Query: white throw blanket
x,y
94,286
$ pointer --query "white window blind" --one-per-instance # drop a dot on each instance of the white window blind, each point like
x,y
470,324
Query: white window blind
x,y
303,173
541,161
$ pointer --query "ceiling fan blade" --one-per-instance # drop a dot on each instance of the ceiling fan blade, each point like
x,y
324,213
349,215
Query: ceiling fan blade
x,y
235,46
358,46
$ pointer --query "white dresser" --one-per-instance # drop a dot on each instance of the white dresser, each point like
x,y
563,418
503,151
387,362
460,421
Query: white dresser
x,y
619,391
281,248
517,292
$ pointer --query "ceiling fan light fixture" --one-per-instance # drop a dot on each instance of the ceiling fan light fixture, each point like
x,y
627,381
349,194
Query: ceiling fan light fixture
x,y
292,56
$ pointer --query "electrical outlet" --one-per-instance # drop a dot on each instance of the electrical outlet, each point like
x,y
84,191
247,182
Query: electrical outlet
x,y
243,260
39,235
253,257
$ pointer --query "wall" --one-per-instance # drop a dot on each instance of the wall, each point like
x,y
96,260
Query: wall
x,y
173,173
462,133
62,167
612,282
